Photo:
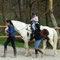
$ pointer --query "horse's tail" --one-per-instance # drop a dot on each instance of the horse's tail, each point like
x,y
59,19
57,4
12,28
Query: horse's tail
x,y
55,37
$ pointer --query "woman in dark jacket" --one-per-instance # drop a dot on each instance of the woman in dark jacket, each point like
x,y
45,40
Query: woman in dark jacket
x,y
37,39
11,37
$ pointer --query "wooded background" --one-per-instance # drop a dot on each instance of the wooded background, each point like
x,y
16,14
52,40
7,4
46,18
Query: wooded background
x,y
21,10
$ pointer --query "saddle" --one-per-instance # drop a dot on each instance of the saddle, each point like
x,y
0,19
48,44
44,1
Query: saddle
x,y
43,34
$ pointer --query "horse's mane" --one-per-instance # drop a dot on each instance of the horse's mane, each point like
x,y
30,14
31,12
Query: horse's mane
x,y
29,25
18,21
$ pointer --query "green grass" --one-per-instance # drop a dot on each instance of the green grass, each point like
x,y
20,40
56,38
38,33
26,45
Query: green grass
x,y
17,44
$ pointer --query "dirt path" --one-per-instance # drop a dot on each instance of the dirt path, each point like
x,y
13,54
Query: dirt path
x,y
21,52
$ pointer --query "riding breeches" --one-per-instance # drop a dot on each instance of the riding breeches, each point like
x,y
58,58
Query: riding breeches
x,y
33,25
10,39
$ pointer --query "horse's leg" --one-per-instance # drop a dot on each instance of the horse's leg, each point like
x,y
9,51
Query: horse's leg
x,y
55,42
44,44
52,44
27,48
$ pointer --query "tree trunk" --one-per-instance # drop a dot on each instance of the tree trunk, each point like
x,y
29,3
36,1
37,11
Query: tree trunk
x,y
2,11
30,6
51,13
38,11
19,8
53,18
46,15
21,11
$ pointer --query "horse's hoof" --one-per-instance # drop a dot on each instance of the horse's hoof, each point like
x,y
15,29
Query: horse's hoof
x,y
26,55
35,56
3,56
54,55
42,55
43,51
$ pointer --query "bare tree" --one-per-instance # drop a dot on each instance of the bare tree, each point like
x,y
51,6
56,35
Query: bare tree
x,y
51,13
21,9
2,10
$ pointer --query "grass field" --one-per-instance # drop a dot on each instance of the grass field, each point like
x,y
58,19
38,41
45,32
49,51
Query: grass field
x,y
18,44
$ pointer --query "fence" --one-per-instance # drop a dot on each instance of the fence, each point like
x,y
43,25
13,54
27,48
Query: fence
x,y
58,28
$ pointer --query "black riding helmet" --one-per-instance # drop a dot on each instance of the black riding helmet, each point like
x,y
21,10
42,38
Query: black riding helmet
x,y
33,13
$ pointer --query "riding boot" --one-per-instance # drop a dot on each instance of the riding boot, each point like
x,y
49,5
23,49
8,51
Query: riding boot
x,y
36,53
14,52
40,52
5,51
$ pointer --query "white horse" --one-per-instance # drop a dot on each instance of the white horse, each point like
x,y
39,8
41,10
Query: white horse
x,y
23,29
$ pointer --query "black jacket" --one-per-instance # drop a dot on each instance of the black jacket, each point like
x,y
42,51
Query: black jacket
x,y
36,35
